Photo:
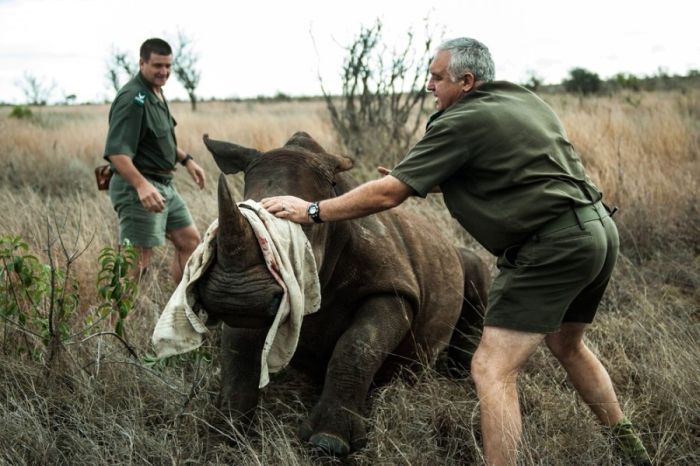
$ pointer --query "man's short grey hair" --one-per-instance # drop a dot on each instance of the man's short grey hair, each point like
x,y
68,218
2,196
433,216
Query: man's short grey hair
x,y
468,55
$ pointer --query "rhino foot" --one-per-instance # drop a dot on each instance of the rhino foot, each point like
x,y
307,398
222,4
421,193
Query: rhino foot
x,y
330,444
336,434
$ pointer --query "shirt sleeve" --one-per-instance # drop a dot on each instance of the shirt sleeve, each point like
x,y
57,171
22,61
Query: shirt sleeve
x,y
436,157
125,120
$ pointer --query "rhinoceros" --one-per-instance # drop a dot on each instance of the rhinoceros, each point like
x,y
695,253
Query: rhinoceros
x,y
394,290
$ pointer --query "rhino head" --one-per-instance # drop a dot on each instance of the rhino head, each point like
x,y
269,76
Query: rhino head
x,y
302,167
238,288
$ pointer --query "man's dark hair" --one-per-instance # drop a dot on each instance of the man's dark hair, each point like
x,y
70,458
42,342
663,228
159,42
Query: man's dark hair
x,y
155,45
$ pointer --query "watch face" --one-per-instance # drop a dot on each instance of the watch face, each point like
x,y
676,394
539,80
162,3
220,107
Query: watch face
x,y
313,209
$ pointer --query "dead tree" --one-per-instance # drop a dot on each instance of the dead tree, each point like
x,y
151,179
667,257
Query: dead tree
x,y
185,67
36,90
383,94
119,65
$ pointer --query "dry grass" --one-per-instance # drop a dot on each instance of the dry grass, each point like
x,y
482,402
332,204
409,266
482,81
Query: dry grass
x,y
99,406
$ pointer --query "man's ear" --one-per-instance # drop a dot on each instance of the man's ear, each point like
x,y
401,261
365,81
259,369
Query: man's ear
x,y
468,82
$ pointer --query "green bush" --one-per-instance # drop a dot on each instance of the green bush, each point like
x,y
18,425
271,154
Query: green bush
x,y
115,285
628,81
582,81
21,112
39,301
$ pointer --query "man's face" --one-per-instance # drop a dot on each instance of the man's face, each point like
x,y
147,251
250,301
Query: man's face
x,y
446,91
156,70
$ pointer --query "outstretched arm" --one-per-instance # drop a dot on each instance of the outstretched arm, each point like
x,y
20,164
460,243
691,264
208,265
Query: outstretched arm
x,y
369,198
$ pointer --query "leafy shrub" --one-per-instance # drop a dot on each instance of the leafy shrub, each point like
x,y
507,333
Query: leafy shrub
x,y
582,81
628,81
36,300
115,285
21,112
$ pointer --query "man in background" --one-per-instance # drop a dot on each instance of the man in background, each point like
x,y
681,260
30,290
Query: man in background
x,y
142,150
512,179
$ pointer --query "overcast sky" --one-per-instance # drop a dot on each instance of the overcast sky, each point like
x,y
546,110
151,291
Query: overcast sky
x,y
263,47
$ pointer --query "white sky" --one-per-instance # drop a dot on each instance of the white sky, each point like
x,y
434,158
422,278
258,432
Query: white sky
x,y
259,47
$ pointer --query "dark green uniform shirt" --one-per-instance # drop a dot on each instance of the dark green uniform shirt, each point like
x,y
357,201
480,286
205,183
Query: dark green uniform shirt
x,y
503,162
141,126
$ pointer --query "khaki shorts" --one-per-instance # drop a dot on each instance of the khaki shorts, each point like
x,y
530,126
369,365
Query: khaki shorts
x,y
141,227
554,277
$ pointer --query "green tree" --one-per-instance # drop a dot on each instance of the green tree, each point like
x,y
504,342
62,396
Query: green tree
x,y
534,81
582,81
627,81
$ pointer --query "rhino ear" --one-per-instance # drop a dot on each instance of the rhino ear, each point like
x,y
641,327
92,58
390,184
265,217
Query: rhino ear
x,y
231,158
337,163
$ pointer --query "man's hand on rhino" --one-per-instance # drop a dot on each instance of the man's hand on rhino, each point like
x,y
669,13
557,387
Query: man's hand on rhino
x,y
288,207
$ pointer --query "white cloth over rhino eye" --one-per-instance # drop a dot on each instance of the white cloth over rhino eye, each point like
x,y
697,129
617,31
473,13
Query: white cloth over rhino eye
x,y
289,258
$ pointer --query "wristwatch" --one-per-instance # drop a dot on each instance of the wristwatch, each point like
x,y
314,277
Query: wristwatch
x,y
187,158
314,212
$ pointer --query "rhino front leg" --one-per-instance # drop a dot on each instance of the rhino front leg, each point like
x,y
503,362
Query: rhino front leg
x,y
335,424
240,371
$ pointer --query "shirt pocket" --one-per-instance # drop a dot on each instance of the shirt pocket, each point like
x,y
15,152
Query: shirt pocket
x,y
165,141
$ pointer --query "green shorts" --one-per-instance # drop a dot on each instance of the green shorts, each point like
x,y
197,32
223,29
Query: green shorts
x,y
141,227
556,276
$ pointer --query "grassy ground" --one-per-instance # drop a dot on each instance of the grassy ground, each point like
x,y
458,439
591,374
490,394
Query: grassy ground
x,y
95,404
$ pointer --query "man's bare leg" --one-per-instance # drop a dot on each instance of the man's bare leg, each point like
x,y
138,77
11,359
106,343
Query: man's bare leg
x,y
593,383
143,261
586,372
495,368
185,241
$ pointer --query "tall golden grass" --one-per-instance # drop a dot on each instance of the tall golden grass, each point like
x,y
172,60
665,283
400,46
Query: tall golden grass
x,y
107,408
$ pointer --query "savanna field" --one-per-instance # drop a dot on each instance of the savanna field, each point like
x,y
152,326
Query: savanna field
x,y
74,392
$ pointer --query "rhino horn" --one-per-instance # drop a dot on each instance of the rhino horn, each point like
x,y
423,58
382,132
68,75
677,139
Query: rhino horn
x,y
236,243
231,158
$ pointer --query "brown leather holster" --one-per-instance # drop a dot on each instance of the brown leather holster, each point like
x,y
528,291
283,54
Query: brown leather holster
x,y
103,174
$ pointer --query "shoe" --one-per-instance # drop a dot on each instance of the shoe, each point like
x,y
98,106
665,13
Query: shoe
x,y
628,444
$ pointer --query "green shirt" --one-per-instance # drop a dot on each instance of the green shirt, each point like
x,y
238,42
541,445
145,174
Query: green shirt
x,y
503,162
141,126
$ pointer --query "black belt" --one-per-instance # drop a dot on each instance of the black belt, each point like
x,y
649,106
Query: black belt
x,y
162,179
574,216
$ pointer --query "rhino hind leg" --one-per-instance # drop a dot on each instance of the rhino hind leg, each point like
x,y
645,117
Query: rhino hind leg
x,y
467,332
336,423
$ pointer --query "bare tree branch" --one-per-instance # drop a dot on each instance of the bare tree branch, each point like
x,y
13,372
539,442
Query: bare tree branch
x,y
35,90
382,93
120,68
185,66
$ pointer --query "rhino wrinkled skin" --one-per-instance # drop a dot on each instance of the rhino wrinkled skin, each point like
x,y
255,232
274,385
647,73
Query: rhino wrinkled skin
x,y
393,290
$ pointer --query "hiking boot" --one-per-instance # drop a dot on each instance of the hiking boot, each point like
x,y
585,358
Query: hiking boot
x,y
628,444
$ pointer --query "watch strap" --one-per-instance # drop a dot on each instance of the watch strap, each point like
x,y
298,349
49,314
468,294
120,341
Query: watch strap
x,y
314,212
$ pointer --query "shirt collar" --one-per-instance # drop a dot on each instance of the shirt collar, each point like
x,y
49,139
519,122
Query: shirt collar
x,y
151,95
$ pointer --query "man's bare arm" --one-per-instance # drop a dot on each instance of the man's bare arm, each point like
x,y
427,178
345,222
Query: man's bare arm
x,y
193,168
149,196
369,198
